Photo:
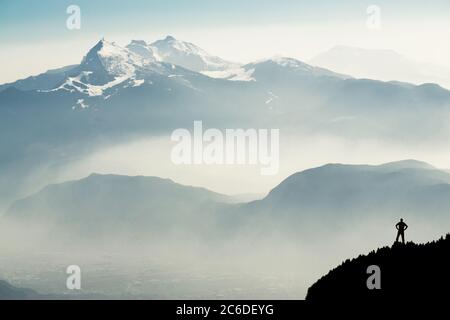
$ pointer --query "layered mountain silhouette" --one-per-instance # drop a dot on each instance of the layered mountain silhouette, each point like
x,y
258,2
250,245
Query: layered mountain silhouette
x,y
117,93
308,210
327,198
336,196
114,205
155,84
409,272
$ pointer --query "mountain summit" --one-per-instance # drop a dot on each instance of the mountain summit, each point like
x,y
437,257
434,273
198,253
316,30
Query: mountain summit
x,y
188,55
112,58
408,272
107,65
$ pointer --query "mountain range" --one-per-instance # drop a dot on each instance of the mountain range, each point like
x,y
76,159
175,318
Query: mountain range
x,y
111,204
116,94
119,94
331,198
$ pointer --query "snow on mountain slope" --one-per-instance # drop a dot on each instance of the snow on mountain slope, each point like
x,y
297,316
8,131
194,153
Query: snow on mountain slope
x,y
249,72
188,55
43,81
107,65
73,84
233,74
296,66
143,49
116,60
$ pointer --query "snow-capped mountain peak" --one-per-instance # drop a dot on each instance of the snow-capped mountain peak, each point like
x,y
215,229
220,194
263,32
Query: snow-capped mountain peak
x,y
188,55
169,45
107,65
293,65
143,49
116,60
266,68
289,62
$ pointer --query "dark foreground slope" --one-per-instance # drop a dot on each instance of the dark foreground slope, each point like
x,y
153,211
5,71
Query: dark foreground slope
x,y
9,292
408,272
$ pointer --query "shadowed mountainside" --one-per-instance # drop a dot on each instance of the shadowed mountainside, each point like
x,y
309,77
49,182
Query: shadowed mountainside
x,y
111,204
408,272
330,197
9,292
334,195
117,94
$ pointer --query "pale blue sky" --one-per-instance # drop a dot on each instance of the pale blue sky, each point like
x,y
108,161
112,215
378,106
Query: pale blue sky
x,y
237,30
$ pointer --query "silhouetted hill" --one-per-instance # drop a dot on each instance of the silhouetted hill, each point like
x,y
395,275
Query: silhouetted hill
x,y
408,272
112,205
332,198
335,196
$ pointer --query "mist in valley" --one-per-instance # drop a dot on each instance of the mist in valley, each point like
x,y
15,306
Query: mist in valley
x,y
219,247
87,177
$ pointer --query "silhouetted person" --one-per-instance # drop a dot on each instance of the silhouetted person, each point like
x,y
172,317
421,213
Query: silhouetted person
x,y
401,227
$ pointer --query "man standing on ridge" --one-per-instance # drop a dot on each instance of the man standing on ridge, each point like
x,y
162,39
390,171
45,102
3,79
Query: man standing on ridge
x,y
401,227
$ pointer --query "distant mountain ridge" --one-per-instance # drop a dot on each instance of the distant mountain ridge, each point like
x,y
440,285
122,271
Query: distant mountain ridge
x,y
385,65
188,55
331,196
119,93
107,61
100,204
344,184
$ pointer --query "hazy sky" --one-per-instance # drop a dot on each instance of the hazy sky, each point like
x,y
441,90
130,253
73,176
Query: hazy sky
x,y
34,37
